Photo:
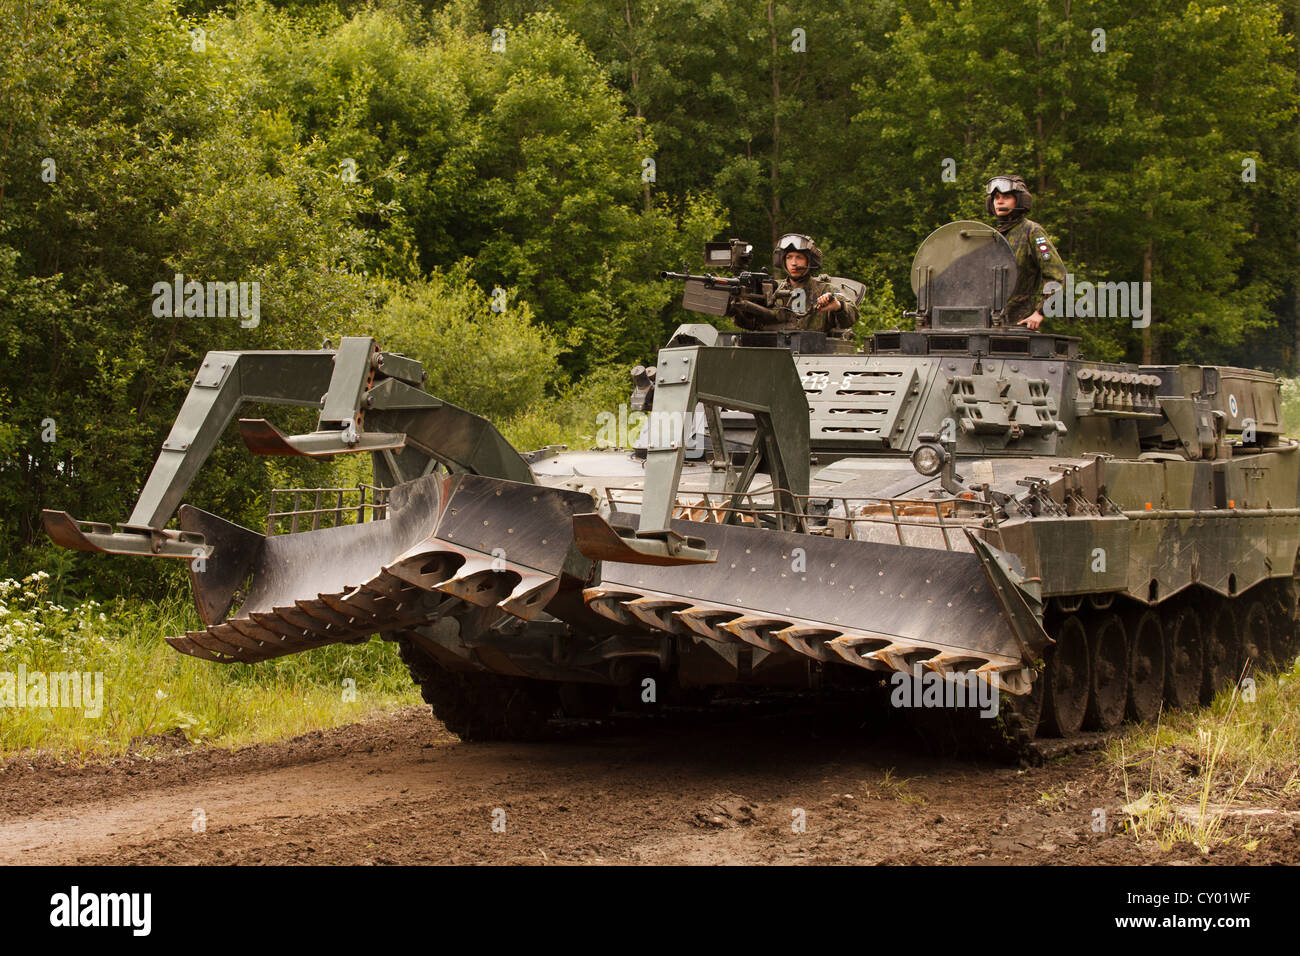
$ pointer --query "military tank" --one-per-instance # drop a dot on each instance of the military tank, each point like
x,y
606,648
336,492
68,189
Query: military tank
x,y
967,505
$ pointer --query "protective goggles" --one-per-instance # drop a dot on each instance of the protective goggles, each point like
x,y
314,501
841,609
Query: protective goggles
x,y
1000,184
794,242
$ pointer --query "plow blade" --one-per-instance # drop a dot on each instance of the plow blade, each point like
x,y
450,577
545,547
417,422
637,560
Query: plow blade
x,y
878,606
473,548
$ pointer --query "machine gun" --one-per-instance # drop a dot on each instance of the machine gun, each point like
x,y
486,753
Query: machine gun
x,y
751,298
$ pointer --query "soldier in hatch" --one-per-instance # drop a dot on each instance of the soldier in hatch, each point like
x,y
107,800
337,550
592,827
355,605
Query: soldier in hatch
x,y
821,307
1037,261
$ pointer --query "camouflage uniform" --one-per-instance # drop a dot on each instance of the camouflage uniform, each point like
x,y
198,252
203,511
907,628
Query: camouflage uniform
x,y
1037,262
829,322
1036,259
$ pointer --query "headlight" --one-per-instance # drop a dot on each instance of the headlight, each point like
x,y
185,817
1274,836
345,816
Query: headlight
x,y
928,459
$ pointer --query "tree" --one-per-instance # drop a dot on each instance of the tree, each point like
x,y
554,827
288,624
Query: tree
x,y
154,170
1130,141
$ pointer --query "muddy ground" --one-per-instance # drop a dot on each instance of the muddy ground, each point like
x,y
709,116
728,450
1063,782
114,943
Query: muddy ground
x,y
714,789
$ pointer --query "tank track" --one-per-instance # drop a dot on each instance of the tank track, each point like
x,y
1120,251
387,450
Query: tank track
x,y
1134,668
480,705
1240,636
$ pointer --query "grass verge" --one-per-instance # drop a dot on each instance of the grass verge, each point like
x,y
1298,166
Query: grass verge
x,y
1215,775
148,689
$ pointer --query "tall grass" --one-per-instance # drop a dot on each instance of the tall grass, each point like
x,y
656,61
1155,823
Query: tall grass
x,y
149,689
1186,778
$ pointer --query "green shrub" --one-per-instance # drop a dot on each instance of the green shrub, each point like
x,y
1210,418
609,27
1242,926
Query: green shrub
x,y
496,364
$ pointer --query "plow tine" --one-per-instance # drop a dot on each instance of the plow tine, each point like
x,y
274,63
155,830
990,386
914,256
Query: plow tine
x,y
228,634
187,645
379,594
657,612
278,625
427,568
484,588
810,641
748,630
379,609
480,582
353,611
387,584
946,662
608,603
265,638
219,650
367,610
704,621
530,596
483,581
852,648
1013,678
182,644
314,630
849,655
322,612
894,656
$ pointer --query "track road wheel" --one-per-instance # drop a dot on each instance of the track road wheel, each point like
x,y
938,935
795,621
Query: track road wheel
x,y
1146,668
1065,685
1109,672
1284,623
478,705
1221,649
1184,656
1256,636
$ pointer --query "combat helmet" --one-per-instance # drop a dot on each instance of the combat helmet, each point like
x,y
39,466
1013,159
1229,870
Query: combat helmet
x,y
797,242
1008,184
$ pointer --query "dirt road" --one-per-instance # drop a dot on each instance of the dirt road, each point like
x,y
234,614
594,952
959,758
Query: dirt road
x,y
766,789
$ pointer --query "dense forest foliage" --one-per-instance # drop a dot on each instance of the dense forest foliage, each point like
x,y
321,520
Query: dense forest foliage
x,y
493,186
